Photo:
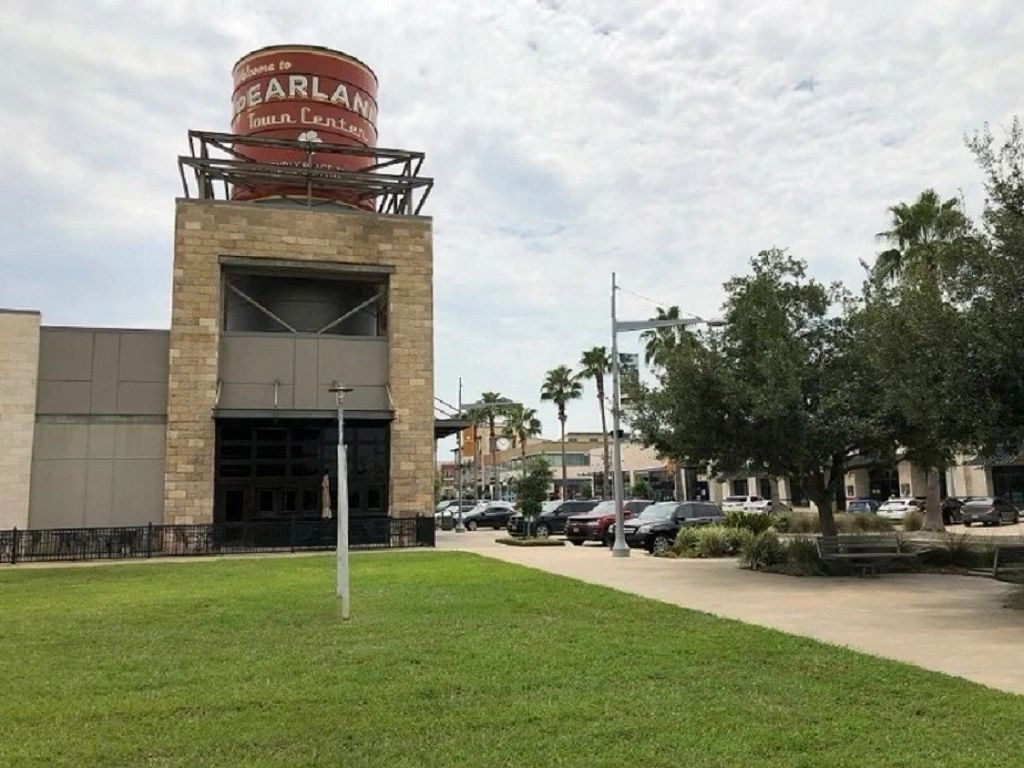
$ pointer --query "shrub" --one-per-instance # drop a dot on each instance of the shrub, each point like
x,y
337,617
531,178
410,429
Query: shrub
x,y
762,551
713,541
802,554
808,522
531,542
686,542
710,541
913,520
957,551
866,522
752,522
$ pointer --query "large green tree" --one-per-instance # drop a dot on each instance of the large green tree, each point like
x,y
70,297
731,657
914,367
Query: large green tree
x,y
560,386
780,388
916,338
993,288
925,401
595,364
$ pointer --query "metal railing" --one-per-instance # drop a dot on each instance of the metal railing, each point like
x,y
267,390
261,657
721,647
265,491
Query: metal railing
x,y
145,541
390,179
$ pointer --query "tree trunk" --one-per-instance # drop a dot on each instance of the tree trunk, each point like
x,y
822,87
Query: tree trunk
x,y
773,487
562,420
604,435
822,495
933,505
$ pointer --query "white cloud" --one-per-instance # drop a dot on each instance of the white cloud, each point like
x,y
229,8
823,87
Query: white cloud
x,y
669,141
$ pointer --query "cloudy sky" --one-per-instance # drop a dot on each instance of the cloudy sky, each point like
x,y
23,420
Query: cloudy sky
x,y
666,140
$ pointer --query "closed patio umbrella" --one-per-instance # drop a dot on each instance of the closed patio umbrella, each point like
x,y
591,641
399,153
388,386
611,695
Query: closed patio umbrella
x,y
325,498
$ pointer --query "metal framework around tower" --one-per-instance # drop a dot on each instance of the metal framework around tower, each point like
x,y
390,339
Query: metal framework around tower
x,y
217,162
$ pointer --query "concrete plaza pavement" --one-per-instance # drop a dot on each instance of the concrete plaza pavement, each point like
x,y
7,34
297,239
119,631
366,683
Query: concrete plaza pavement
x,y
951,624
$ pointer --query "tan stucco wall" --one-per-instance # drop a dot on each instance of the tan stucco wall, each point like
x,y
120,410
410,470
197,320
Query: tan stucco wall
x,y
19,369
913,478
859,481
205,231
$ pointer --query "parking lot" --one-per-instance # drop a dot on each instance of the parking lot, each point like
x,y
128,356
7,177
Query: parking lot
x,y
949,623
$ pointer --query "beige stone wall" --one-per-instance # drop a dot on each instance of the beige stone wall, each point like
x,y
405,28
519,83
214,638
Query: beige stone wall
x,y
207,230
913,481
859,480
19,371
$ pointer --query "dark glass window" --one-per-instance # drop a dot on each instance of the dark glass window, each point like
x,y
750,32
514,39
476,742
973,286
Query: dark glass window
x,y
275,470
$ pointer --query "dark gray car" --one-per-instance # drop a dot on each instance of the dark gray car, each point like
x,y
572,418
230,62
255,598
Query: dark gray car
x,y
989,511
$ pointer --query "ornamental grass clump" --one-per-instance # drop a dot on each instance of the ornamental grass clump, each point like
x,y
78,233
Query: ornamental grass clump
x,y
763,551
802,556
913,520
686,542
754,523
808,523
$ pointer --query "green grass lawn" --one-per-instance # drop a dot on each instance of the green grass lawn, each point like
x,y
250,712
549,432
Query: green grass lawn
x,y
450,659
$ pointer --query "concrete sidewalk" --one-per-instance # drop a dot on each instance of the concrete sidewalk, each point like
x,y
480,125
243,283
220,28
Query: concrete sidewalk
x,y
951,624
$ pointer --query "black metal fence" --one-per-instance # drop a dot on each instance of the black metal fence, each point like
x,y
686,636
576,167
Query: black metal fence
x,y
142,541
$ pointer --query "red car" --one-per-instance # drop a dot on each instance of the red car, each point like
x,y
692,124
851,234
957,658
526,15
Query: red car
x,y
593,526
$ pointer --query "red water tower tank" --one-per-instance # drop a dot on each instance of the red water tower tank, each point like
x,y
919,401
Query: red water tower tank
x,y
304,93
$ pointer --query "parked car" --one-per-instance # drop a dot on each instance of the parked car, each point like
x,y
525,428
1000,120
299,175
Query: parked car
x,y
895,509
952,510
488,514
862,506
593,526
450,513
552,518
656,527
989,510
745,504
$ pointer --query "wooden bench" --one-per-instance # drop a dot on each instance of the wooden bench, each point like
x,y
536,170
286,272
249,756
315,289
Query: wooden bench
x,y
1007,565
864,552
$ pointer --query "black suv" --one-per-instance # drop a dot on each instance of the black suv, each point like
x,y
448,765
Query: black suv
x,y
656,527
551,519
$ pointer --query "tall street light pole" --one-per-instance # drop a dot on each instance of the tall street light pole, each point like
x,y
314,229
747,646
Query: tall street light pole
x,y
620,548
459,527
342,551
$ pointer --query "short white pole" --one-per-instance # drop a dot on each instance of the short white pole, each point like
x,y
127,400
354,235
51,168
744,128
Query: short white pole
x,y
342,550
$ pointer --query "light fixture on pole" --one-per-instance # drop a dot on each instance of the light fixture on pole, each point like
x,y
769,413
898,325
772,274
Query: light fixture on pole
x,y
342,551
620,548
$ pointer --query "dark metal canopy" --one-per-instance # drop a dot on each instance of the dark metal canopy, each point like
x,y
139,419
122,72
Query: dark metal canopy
x,y
446,427
215,157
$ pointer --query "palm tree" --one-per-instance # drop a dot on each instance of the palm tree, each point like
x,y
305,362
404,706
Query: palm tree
x,y
916,230
521,423
919,235
476,417
560,386
594,364
493,406
659,343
